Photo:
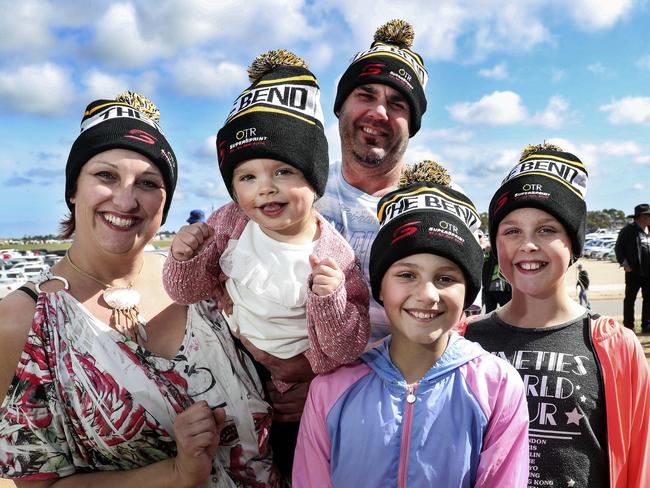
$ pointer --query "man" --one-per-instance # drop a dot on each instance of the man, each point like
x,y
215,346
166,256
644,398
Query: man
x,y
380,101
633,253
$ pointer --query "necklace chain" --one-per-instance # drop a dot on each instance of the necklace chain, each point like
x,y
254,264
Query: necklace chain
x,y
123,302
96,280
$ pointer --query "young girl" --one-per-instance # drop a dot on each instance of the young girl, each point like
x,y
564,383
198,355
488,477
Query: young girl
x,y
586,377
427,407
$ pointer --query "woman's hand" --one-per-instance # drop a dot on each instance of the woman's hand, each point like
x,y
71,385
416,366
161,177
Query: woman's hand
x,y
197,432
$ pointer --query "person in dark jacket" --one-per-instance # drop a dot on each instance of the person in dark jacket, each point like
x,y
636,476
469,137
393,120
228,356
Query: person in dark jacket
x,y
633,254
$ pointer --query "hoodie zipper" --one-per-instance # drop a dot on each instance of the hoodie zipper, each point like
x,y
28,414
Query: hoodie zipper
x,y
406,434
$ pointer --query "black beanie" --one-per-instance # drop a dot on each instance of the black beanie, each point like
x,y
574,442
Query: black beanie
x,y
131,122
427,217
548,179
278,117
389,61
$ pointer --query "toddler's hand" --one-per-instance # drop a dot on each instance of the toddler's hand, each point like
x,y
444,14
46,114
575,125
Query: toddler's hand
x,y
190,240
327,275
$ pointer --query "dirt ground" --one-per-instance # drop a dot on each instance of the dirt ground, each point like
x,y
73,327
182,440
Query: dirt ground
x,y
607,281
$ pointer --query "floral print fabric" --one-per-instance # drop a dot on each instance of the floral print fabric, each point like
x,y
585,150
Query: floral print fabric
x,y
84,398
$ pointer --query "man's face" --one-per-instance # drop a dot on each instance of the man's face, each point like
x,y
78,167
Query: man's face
x,y
374,126
644,221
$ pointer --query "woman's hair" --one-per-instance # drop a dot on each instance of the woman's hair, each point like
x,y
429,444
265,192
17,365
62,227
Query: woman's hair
x,y
66,226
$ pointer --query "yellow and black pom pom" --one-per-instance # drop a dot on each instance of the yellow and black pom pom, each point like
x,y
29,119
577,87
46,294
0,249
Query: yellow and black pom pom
x,y
396,31
269,60
140,103
425,171
534,148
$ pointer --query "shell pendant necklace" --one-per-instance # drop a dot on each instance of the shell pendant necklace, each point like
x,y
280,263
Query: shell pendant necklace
x,y
124,305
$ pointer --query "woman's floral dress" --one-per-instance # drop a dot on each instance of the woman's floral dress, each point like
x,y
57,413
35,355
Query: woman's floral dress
x,y
84,398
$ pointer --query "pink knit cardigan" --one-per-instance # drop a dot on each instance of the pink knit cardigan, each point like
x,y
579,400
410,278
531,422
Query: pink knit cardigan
x,y
338,325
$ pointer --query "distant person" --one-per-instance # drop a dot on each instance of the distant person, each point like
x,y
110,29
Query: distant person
x,y
426,407
633,254
583,285
294,282
104,380
196,216
379,102
587,378
495,289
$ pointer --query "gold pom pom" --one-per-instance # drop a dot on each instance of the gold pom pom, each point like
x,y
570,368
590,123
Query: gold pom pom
x,y
397,32
425,171
534,148
269,60
140,103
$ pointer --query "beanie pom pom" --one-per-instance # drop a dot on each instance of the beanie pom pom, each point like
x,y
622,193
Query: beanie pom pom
x,y
425,171
140,103
396,31
270,60
535,148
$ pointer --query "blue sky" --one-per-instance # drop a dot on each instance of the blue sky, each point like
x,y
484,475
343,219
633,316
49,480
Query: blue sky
x,y
501,75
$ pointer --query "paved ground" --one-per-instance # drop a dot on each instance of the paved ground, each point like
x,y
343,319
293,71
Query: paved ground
x,y
606,290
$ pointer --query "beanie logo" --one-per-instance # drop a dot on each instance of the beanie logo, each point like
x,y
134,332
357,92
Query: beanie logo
x,y
405,230
446,230
501,201
300,101
117,111
222,151
571,174
532,190
428,199
372,69
404,55
142,136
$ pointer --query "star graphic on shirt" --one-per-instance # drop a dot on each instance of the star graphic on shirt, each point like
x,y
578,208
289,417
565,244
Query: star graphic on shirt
x,y
583,398
573,417
577,388
571,483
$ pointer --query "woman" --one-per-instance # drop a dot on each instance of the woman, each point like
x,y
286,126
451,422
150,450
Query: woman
x,y
106,379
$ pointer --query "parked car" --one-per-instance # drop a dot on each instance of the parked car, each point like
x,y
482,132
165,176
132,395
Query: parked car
x,y
30,270
599,252
10,280
595,245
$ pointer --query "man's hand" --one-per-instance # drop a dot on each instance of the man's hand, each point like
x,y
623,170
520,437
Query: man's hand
x,y
190,240
326,275
291,370
288,406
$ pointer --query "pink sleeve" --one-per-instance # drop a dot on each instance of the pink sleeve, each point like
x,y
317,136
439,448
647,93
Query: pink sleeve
x,y
196,279
338,325
311,462
500,391
626,377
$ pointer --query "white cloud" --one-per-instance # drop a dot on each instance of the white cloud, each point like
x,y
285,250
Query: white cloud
x,y
498,72
597,14
554,115
25,27
620,148
644,62
448,135
638,186
628,110
44,89
599,69
99,84
129,34
557,75
449,30
498,108
333,141
198,76
643,160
